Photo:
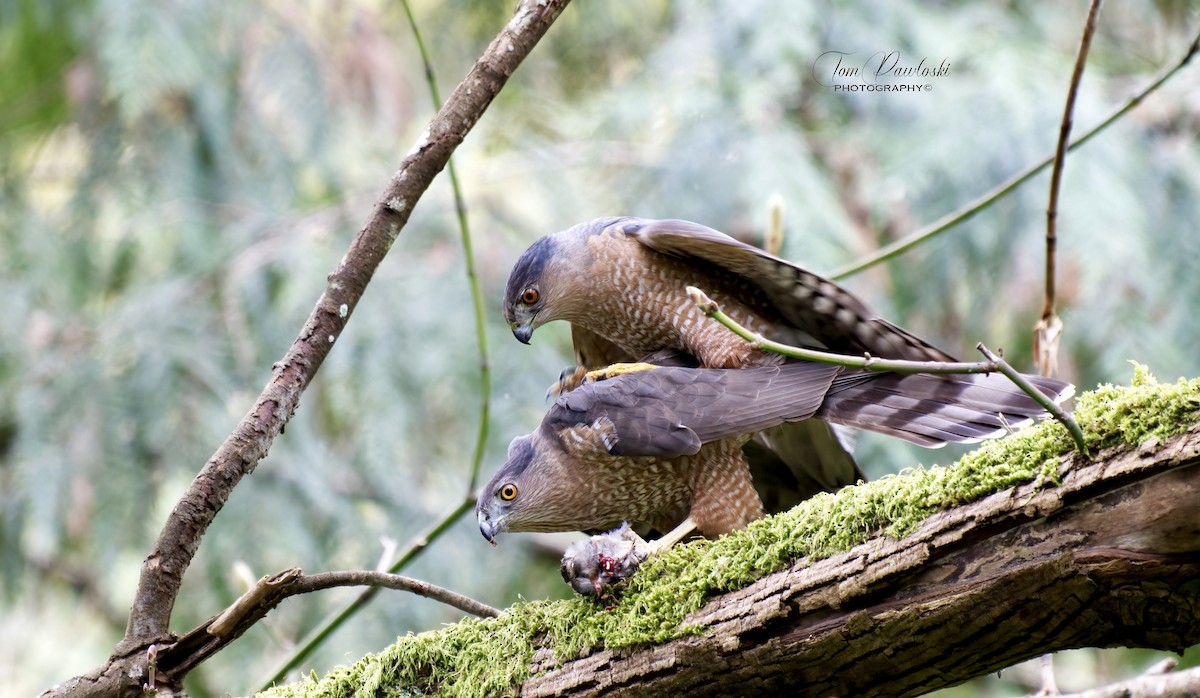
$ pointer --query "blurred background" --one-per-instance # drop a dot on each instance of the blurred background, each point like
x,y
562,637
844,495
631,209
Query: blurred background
x,y
176,179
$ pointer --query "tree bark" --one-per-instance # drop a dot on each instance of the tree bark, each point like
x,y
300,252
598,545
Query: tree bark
x,y
1110,557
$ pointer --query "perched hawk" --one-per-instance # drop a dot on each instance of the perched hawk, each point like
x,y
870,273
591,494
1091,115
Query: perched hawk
x,y
661,446
621,284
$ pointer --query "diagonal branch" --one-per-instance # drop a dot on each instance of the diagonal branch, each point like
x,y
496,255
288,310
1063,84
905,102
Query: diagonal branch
x,y
335,619
163,569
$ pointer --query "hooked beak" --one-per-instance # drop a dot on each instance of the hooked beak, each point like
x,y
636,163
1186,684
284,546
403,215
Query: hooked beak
x,y
522,332
487,528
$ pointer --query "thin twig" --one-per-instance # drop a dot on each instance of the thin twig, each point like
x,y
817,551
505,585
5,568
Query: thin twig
x,y
460,208
1047,332
1056,411
943,224
373,578
213,635
335,620
1060,154
871,363
868,363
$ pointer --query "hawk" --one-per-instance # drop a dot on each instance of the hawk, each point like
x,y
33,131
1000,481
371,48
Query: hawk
x,y
621,284
662,446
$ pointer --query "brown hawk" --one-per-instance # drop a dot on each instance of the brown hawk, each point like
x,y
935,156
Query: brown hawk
x,y
662,446
621,284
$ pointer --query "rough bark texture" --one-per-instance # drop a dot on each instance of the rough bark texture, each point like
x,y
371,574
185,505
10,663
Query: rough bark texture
x,y
1109,558
148,640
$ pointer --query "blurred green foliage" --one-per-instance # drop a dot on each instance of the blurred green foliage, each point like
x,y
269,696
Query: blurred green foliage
x,y
177,178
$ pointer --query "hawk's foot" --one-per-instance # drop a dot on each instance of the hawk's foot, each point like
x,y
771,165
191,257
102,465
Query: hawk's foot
x,y
617,370
571,378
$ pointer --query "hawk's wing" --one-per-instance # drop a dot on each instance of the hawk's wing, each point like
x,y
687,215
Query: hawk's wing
x,y
816,306
670,412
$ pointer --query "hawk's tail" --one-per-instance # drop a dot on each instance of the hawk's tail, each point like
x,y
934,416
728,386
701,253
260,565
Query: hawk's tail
x,y
934,410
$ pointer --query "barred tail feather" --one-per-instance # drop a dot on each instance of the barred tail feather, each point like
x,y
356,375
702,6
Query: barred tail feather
x,y
935,410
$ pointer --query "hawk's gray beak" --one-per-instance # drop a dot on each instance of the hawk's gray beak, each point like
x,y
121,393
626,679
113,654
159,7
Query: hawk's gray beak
x,y
486,527
522,333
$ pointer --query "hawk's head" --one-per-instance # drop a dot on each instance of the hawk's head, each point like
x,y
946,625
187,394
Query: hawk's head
x,y
551,279
525,494
530,293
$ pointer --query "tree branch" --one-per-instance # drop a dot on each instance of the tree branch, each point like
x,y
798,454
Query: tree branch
x,y
1047,332
214,634
1102,553
163,569
975,590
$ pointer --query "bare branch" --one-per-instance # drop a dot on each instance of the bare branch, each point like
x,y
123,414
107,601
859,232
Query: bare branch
x,y
163,569
1047,332
328,580
214,634
1060,153
1100,553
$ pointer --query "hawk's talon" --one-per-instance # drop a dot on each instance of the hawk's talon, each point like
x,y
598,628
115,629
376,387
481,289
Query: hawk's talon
x,y
569,379
615,370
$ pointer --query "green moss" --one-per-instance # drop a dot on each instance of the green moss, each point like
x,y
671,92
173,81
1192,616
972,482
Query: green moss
x,y
481,657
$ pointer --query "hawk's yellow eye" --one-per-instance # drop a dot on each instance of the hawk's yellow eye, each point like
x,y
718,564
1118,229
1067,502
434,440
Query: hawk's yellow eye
x,y
508,492
529,296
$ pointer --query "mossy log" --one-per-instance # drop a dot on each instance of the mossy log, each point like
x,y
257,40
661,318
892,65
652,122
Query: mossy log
x,y
896,587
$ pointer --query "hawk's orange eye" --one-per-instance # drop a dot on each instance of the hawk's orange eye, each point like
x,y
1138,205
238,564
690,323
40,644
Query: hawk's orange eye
x,y
508,492
529,296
